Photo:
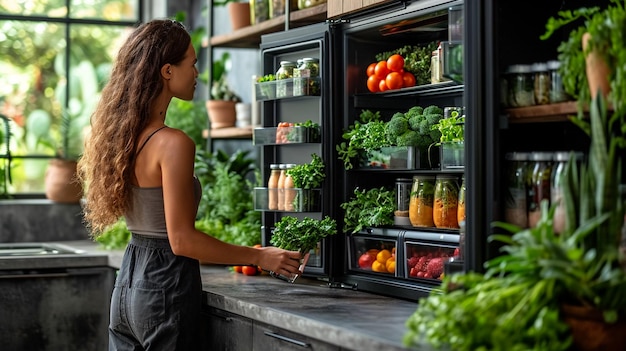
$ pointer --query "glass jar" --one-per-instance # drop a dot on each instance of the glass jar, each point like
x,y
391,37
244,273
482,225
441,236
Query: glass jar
x,y
422,201
290,192
515,207
403,199
540,184
277,7
312,65
259,11
285,72
541,83
446,202
557,91
272,186
460,213
304,4
521,90
281,188
560,167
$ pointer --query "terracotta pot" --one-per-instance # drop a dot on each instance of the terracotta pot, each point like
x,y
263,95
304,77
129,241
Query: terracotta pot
x,y
61,184
239,14
597,70
222,113
589,330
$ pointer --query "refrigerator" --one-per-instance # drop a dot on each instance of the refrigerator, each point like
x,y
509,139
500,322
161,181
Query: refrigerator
x,y
488,37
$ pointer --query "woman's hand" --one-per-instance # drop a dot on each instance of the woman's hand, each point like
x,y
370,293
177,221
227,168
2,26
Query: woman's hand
x,y
280,261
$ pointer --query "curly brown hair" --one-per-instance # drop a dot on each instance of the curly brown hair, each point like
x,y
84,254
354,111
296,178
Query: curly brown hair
x,y
123,111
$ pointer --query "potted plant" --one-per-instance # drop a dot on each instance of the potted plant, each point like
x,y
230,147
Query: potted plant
x,y
302,235
527,295
452,139
596,38
239,12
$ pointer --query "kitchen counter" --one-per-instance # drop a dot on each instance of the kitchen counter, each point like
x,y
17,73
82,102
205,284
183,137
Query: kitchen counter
x,y
353,320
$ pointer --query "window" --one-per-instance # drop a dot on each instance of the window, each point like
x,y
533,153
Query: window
x,y
55,57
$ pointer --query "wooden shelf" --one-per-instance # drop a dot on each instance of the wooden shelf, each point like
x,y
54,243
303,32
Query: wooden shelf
x,y
542,113
250,36
229,133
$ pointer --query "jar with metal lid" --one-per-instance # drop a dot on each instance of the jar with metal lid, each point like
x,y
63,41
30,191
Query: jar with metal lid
x,y
446,202
460,214
521,90
557,91
541,83
285,72
272,186
516,204
305,4
422,201
312,65
277,7
540,184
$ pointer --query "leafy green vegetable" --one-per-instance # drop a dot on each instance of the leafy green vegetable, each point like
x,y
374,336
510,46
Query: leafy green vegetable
x,y
451,129
115,237
368,208
302,235
266,78
312,128
365,134
417,60
308,176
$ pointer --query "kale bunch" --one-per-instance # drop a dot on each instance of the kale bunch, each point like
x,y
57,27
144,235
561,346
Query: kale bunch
x,y
414,127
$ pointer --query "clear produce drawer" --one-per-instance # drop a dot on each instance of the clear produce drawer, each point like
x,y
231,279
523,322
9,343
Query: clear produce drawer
x,y
374,253
287,88
427,254
285,135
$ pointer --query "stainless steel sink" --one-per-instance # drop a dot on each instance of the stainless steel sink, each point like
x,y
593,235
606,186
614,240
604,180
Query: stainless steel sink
x,y
36,249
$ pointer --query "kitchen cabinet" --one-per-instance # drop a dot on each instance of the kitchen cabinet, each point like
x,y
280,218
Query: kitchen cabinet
x,y
226,331
338,8
269,338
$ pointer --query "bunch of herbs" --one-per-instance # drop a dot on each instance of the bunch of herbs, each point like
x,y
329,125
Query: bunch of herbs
x,y
368,208
294,234
308,175
367,133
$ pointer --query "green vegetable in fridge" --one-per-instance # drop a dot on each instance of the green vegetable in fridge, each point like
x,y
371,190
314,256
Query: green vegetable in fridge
x,y
368,208
367,133
308,175
302,235
397,126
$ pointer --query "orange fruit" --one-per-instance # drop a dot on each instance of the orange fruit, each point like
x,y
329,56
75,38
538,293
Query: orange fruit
x,y
382,85
381,70
237,269
249,270
383,256
394,80
372,84
395,63
408,79
379,267
370,69
391,265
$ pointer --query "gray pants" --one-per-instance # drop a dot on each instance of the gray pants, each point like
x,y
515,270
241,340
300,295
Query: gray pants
x,y
157,298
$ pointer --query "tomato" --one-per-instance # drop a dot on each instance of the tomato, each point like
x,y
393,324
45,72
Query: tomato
x,y
237,269
372,84
249,270
366,260
370,69
408,79
395,63
394,81
382,85
381,70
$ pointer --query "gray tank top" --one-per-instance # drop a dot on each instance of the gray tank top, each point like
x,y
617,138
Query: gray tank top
x,y
146,214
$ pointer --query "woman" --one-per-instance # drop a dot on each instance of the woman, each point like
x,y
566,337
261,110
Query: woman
x,y
137,167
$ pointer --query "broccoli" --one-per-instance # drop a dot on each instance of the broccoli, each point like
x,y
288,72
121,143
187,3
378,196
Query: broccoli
x,y
397,126
409,138
414,122
432,109
415,110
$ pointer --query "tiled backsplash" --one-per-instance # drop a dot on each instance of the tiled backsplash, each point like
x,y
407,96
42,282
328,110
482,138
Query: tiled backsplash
x,y
40,220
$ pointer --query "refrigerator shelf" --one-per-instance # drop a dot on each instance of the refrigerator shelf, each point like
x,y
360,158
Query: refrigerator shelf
x,y
285,135
294,200
287,88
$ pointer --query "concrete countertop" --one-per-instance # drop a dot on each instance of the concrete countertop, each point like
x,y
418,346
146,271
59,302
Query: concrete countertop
x,y
353,320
